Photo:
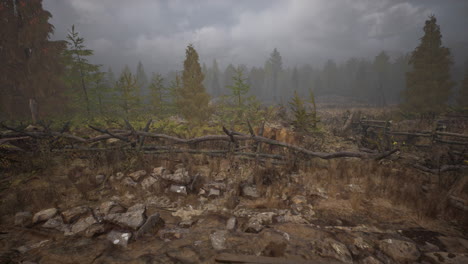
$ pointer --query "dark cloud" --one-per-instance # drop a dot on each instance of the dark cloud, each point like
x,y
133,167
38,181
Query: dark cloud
x,y
305,31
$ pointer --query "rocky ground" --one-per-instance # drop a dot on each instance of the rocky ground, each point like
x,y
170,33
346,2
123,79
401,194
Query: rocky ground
x,y
198,213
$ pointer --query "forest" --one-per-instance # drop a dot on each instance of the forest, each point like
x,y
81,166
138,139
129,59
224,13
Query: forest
x,y
362,159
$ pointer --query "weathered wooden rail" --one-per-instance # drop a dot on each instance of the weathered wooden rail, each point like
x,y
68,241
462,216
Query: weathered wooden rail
x,y
133,140
437,135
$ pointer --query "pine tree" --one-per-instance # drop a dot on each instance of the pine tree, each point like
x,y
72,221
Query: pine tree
x,y
239,87
79,70
429,83
142,80
99,91
274,67
192,100
229,72
381,67
215,79
462,99
30,63
158,94
128,89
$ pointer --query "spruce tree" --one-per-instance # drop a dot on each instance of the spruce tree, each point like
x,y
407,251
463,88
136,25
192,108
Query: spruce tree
x,y
274,66
381,67
428,84
215,79
462,99
79,71
128,89
158,94
239,87
192,100
142,80
30,65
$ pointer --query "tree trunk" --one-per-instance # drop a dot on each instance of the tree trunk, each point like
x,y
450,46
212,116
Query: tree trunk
x,y
33,109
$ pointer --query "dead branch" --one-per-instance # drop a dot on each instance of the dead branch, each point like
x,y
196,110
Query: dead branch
x,y
105,131
443,168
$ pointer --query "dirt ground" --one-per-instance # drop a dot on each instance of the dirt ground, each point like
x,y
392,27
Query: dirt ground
x,y
119,208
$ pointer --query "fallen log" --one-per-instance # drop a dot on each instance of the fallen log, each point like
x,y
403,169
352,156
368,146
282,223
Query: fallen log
x,y
234,258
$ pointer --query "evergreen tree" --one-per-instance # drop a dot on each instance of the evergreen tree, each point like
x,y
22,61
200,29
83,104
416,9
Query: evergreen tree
x,y
30,64
99,91
429,82
142,80
215,87
192,100
275,67
79,70
329,76
158,94
462,99
239,87
228,75
381,66
295,79
128,89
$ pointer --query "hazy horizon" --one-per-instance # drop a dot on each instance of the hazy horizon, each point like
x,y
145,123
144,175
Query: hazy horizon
x,y
245,32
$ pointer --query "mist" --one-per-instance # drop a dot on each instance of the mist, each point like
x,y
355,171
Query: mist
x,y
245,32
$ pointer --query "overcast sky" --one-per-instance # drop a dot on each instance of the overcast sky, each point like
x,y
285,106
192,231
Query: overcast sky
x,y
246,31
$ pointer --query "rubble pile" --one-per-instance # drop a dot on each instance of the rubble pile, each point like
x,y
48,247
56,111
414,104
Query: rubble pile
x,y
190,218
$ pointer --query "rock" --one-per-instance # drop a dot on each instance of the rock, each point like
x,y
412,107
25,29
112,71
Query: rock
x,y
218,240
172,233
119,176
370,260
100,179
265,218
214,193
158,172
180,176
26,248
186,213
250,192
127,181
184,255
429,247
44,215
332,249
119,238
148,182
178,189
320,192
445,257
131,219
187,223
136,207
454,244
299,199
23,219
215,185
399,250
56,223
81,225
295,219
137,175
71,215
95,229
149,225
110,207
231,224
253,227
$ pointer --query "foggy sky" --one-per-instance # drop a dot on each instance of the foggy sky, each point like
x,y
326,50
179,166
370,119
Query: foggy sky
x,y
246,31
